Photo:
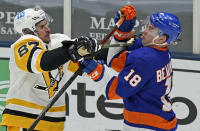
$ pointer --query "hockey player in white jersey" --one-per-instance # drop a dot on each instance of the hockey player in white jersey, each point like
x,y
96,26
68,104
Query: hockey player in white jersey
x,y
37,71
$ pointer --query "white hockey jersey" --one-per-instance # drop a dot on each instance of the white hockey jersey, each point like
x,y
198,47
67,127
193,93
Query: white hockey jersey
x,y
31,88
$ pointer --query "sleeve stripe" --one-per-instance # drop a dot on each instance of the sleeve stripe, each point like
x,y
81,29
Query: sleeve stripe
x,y
111,89
30,59
36,63
118,63
149,120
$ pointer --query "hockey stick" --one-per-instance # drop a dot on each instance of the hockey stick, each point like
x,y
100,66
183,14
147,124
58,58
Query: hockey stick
x,y
117,25
130,44
57,96
72,78
117,45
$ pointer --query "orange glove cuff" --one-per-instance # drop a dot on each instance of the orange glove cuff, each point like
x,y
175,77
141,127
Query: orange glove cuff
x,y
96,74
123,35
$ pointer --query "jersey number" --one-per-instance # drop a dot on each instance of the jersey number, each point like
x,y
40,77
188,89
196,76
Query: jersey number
x,y
134,80
22,50
166,104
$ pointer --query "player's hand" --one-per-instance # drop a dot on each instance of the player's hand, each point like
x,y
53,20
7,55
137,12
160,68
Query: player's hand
x,y
124,33
94,69
87,45
83,48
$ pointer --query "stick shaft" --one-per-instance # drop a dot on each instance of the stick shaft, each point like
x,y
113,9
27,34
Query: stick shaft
x,y
63,89
55,98
117,45
117,25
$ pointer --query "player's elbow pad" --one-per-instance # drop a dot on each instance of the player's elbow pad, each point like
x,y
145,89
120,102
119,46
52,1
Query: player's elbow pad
x,y
53,59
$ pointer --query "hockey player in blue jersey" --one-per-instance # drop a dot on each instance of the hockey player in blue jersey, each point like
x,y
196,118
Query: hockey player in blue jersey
x,y
142,74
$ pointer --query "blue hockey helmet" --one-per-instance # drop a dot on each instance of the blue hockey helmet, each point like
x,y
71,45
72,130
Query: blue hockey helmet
x,y
167,24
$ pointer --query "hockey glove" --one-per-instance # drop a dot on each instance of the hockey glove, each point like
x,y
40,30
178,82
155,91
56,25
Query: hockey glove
x,y
124,32
83,48
94,69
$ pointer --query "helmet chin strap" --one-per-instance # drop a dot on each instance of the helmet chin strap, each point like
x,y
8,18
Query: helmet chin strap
x,y
153,43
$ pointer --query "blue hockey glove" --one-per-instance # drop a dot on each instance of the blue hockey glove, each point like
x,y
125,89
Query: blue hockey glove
x,y
124,33
94,69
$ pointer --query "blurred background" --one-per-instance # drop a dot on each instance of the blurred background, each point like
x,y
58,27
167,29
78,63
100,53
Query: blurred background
x,y
94,18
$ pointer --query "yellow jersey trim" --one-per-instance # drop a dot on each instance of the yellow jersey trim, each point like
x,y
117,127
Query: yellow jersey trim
x,y
23,122
34,106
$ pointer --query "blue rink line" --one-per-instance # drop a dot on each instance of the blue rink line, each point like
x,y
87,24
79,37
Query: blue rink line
x,y
185,56
6,44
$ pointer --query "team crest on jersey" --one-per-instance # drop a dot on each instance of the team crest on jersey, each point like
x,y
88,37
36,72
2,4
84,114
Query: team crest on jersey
x,y
36,9
51,81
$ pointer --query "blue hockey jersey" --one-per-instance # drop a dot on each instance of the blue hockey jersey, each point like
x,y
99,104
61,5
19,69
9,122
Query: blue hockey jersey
x,y
144,82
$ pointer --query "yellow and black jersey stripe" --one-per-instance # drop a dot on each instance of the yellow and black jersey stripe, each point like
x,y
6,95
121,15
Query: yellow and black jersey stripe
x,y
14,128
28,53
12,117
32,105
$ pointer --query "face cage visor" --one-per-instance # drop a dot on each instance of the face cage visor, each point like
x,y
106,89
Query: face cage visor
x,y
145,23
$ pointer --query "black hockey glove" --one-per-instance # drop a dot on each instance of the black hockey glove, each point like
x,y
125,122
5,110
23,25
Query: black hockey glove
x,y
82,48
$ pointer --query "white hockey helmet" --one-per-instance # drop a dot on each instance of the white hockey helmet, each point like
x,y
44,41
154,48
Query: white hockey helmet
x,y
28,18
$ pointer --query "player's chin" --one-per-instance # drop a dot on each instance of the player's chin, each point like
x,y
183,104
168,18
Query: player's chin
x,y
142,37
47,39
144,41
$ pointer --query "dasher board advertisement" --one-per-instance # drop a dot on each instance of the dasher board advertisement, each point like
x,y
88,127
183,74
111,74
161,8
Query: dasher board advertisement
x,y
89,110
4,85
10,8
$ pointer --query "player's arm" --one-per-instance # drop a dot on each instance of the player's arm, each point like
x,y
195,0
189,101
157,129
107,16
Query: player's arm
x,y
30,55
54,58
104,75
128,82
80,48
75,50
101,73
125,31
118,61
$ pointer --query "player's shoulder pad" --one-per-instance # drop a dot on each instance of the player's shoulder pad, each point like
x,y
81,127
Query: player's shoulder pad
x,y
24,49
26,39
56,40
143,55
60,36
